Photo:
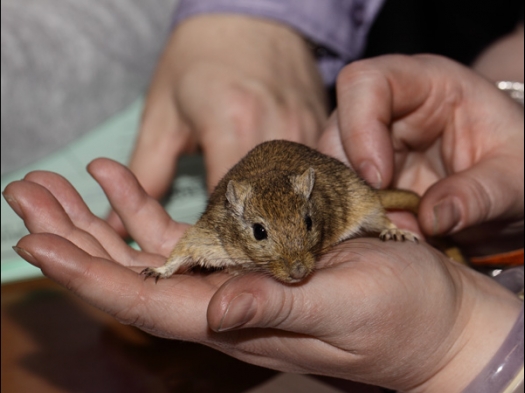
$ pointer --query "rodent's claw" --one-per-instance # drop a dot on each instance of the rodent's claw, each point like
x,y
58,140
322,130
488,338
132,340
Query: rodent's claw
x,y
150,272
397,235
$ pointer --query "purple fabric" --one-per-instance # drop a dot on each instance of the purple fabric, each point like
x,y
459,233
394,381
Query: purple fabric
x,y
339,25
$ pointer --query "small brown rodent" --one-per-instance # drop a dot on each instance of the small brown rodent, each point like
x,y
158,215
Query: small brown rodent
x,y
280,208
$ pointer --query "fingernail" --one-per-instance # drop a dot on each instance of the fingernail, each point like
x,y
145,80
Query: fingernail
x,y
13,203
447,215
240,310
26,255
371,174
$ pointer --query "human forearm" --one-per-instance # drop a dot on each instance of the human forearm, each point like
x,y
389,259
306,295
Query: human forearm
x,y
486,315
338,25
503,60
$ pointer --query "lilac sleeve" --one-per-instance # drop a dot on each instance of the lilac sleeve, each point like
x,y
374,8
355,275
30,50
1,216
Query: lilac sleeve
x,y
340,26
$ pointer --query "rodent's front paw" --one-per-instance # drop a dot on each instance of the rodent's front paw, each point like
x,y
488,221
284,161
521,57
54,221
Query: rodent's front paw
x,y
398,235
156,272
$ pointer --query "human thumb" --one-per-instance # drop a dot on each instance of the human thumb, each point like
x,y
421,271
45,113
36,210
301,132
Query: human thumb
x,y
485,192
260,301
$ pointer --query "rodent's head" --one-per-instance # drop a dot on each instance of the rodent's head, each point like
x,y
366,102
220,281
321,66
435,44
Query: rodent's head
x,y
276,223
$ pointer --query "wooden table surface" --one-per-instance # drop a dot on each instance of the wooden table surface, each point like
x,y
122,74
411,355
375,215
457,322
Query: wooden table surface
x,y
54,342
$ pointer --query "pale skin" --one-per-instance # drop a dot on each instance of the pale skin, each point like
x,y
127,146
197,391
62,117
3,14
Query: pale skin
x,y
224,84
503,60
462,317
228,82
403,123
301,328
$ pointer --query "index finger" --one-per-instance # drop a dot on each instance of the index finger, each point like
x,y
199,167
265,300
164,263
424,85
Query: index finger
x,y
371,95
174,308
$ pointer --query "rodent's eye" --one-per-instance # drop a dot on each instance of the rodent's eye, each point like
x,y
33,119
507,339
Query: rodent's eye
x,y
308,222
259,232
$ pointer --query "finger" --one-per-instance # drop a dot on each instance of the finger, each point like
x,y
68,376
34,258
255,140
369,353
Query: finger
x,y
248,126
485,192
330,144
161,139
42,213
231,128
294,120
122,292
330,141
144,218
116,223
379,95
363,115
162,136
260,301
365,270
83,219
257,301
85,224
220,156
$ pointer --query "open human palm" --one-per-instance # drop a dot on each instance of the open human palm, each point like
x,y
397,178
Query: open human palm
x,y
350,319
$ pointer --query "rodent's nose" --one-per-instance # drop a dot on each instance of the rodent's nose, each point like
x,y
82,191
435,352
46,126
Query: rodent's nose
x,y
298,271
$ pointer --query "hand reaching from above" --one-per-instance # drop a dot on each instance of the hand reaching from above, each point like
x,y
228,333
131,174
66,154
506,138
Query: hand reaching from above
x,y
224,84
428,124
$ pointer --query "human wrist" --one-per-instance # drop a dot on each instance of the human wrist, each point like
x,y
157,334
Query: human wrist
x,y
504,372
231,32
503,59
249,45
486,317
345,35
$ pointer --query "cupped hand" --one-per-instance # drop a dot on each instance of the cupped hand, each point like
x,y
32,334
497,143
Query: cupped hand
x,y
388,314
83,253
401,316
431,125
224,84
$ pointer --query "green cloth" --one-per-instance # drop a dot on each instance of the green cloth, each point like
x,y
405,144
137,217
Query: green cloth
x,y
113,139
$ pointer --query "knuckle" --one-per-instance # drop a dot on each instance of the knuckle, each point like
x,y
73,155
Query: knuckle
x,y
293,126
299,122
481,201
350,72
360,71
243,100
244,108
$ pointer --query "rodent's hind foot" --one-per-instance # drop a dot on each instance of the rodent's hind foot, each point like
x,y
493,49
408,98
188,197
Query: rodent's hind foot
x,y
173,264
398,235
156,272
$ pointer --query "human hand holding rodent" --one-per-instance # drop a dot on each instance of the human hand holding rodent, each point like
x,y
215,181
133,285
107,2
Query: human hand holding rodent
x,y
428,124
225,83
354,318
77,249
400,316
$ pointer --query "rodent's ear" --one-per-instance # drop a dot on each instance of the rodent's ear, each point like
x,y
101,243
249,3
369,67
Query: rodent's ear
x,y
303,184
236,194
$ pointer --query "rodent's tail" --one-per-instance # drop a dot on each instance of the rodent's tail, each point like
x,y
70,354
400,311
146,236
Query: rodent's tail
x,y
407,200
399,200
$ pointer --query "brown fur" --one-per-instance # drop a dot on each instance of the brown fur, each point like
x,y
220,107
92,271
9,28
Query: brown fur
x,y
277,185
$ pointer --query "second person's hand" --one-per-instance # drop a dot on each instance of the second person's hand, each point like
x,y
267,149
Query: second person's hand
x,y
428,124
224,84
